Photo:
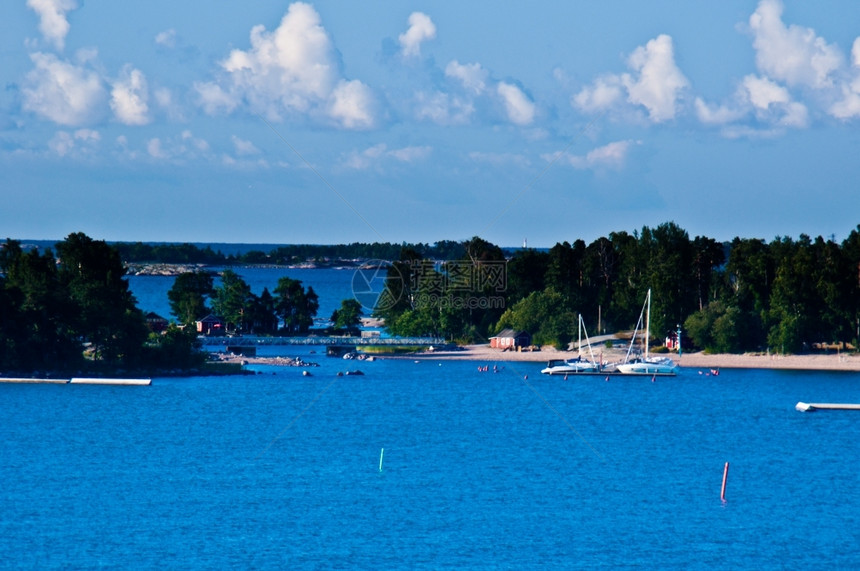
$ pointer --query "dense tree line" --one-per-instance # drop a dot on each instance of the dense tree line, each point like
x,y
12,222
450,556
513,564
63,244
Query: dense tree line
x,y
139,252
459,299
74,311
193,296
745,295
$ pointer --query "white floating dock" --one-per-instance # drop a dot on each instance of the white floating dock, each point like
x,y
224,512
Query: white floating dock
x,y
26,380
97,381
813,406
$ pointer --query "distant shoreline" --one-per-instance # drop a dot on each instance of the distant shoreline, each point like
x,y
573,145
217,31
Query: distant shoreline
x,y
172,270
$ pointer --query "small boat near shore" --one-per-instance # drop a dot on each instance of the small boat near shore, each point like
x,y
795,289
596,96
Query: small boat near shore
x,y
646,364
569,367
576,365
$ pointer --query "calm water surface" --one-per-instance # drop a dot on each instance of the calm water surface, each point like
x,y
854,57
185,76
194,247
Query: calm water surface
x,y
480,470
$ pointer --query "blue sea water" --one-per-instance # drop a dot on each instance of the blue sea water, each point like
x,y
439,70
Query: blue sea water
x,y
480,470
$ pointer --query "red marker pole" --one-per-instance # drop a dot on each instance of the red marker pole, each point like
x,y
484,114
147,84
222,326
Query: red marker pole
x,y
725,477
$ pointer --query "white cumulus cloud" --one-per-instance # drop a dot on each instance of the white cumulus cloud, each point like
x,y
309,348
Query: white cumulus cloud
x,y
82,142
793,54
352,104
471,75
65,93
52,19
214,99
773,103
717,114
613,155
519,108
768,103
129,97
292,70
658,81
604,93
655,84
763,92
421,28
848,105
167,38
443,108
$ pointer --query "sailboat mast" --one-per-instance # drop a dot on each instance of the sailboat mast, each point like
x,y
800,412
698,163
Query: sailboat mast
x,y
648,324
579,337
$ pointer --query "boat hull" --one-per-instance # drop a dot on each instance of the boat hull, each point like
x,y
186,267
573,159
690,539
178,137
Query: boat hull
x,y
574,367
567,370
648,368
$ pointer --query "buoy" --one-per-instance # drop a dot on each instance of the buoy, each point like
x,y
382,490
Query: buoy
x,y
725,477
381,453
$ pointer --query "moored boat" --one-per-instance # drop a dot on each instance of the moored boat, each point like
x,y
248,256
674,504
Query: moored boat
x,y
646,365
569,367
575,365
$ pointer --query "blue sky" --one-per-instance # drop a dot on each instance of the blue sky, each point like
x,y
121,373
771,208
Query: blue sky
x,y
329,122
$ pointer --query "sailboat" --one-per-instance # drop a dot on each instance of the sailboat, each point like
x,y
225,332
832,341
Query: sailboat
x,y
577,365
646,365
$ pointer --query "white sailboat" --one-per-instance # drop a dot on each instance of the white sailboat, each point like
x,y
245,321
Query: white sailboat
x,y
646,365
577,365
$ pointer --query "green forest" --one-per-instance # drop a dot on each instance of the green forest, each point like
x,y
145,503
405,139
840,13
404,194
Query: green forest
x,y
70,308
72,311
745,295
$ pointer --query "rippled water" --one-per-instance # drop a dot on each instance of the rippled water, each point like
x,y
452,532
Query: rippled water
x,y
480,470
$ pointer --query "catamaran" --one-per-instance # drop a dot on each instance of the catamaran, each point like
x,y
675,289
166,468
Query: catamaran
x,y
646,365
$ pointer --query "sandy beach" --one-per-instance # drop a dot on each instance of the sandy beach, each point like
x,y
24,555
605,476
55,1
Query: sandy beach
x,y
831,362
487,355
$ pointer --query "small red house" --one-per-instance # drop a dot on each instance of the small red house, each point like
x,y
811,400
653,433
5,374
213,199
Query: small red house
x,y
510,339
210,325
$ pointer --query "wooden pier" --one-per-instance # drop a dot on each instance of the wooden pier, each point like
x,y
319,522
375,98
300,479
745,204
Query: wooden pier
x,y
78,381
813,406
106,381
33,380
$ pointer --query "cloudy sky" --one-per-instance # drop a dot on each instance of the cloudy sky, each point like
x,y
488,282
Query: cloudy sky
x,y
331,122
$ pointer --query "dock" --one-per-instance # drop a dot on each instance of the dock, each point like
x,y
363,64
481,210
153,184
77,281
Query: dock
x,y
101,381
77,381
813,406
29,380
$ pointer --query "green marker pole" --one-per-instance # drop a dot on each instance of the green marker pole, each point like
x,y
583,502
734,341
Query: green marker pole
x,y
381,453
